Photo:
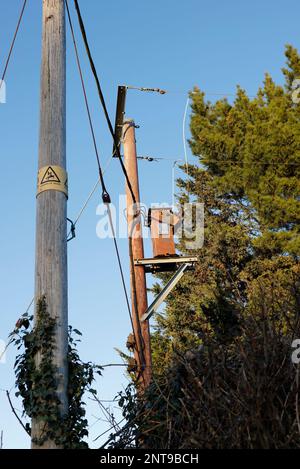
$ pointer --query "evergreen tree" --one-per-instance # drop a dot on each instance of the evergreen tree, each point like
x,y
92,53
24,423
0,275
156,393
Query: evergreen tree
x,y
222,347
248,179
252,149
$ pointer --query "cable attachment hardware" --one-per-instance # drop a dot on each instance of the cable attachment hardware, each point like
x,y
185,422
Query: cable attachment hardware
x,y
154,90
147,90
106,197
148,158
72,230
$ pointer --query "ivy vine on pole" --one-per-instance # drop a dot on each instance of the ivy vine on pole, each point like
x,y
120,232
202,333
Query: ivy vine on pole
x,y
35,380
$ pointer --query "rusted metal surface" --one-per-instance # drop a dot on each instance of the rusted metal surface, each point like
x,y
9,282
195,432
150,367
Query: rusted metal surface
x,y
162,232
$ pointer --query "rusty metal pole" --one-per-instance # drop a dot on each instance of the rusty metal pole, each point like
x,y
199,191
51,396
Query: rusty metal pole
x,y
136,247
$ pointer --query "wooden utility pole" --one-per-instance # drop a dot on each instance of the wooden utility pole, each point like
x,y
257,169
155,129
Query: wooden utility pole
x,y
51,223
136,248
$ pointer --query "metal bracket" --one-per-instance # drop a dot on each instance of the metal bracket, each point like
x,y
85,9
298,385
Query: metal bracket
x,y
165,292
72,231
164,264
120,114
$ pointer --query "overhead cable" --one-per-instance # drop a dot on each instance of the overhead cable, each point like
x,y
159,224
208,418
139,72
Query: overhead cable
x,y
13,43
101,96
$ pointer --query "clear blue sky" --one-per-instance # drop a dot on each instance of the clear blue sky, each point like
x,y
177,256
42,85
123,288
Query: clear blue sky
x,y
169,44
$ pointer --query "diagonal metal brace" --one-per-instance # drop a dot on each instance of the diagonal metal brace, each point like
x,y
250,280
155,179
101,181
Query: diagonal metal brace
x,y
165,292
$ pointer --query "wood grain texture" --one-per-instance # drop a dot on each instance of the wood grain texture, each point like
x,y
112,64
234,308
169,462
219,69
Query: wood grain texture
x,y
51,221
137,274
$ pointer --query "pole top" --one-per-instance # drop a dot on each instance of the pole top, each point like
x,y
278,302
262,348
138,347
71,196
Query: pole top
x,y
128,120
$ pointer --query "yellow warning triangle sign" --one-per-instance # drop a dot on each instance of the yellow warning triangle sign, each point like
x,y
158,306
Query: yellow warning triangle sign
x,y
53,178
50,176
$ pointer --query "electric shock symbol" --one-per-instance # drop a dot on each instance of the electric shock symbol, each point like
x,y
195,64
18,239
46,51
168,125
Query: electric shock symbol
x,y
50,176
53,178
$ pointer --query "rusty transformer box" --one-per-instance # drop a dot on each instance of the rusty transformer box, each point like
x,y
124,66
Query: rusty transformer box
x,y
161,222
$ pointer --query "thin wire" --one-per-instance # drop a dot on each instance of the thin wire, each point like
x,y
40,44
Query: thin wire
x,y
119,262
109,430
224,94
104,191
256,163
250,162
86,202
183,132
27,310
101,96
82,210
154,158
13,43
176,162
11,340
158,159
100,171
138,343
184,143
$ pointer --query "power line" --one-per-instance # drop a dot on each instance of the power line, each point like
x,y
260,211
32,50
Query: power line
x,y
120,264
222,95
89,198
185,92
101,96
106,197
184,143
266,163
159,159
86,202
13,43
